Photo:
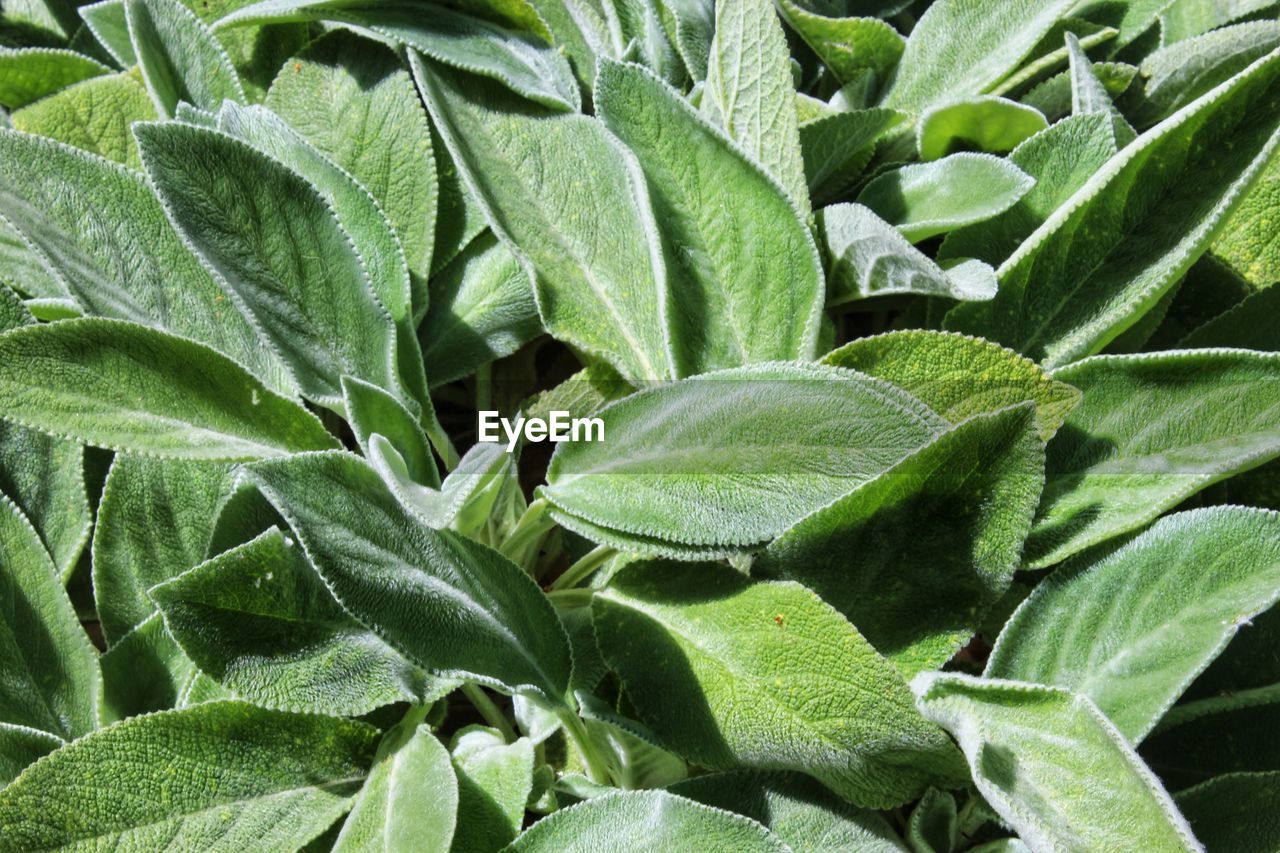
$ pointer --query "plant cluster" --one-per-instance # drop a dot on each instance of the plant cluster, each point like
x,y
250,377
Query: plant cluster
x,y
935,353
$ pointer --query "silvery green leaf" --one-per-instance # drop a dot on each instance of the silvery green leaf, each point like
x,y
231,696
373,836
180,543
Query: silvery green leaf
x,y
1248,243
849,46
1187,18
127,387
219,776
494,781
838,146
746,281
1234,812
977,123
917,557
695,26
106,20
21,746
28,74
23,272
93,115
932,827
1150,431
1038,755
146,670
179,56
869,257
730,673
926,199
372,411
1090,95
1247,325
463,500
726,461
603,290
1105,257
1131,629
1223,734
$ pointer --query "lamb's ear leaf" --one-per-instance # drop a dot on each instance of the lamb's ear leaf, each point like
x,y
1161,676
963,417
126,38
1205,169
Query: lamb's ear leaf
x,y
229,771
1089,95
127,387
155,521
371,410
106,20
746,279
1249,660
937,539
355,102
385,567
927,199
602,289
730,672
28,74
849,47
695,27
1249,243
932,827
795,807
482,309
1116,247
464,499
146,670
1150,431
1038,753
21,746
180,58
1198,740
50,671
728,460
494,782
274,241
258,620
1060,160
958,49
750,94
869,257
137,268
535,71
1184,20
1246,325
1131,629
653,820
1234,811
958,376
93,115
409,801
978,123
837,148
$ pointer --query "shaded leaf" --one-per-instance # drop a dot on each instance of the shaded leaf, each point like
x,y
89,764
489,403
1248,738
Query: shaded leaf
x,y
979,123
179,57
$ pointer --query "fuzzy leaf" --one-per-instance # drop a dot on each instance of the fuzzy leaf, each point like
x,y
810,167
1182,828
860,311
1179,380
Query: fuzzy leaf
x,y
1235,812
106,20
494,781
179,57
837,147
28,74
1249,243
146,670
372,411
93,115
848,46
979,123
1224,734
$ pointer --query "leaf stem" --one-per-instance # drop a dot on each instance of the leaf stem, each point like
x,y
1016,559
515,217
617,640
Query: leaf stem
x,y
597,765
521,544
492,713
584,567
439,438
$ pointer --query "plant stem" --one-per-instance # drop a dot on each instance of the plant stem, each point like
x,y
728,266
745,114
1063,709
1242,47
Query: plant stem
x,y
492,713
522,543
571,597
581,570
484,388
439,438
597,765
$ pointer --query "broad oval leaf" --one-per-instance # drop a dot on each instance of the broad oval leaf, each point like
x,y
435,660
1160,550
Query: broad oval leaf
x,y
28,74
1249,243
730,672
1150,431
837,148
1038,756
223,775
180,58
728,460
93,115
646,820
146,670
850,47
747,283
1132,629
494,782
389,570
127,387
372,411
983,123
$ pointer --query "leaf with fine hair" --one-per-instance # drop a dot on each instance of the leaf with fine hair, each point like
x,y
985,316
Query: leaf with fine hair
x,y
179,56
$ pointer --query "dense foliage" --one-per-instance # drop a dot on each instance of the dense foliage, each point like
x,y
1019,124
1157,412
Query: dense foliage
x,y
936,350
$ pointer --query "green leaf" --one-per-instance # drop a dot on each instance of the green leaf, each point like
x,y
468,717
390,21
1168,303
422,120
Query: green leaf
x,y
127,387
273,240
1107,255
223,775
491,622
106,20
794,807
848,47
155,521
749,91
978,123
1224,734
494,781
937,539
28,74
259,621
106,237
959,377
734,673
925,199
1089,94
179,57
1186,18
21,746
960,48
869,257
1252,659
838,147
1247,325
1151,431
146,670
465,498
726,461
49,677
747,283
94,115
1248,243
603,290
482,309
370,411
356,103
1060,160
1132,629
1038,756
1137,17
409,801
23,273
695,26
646,820
1235,812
